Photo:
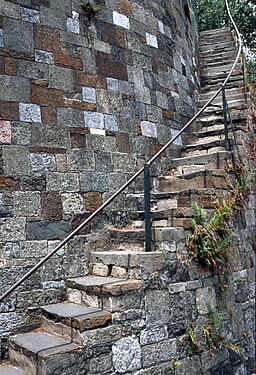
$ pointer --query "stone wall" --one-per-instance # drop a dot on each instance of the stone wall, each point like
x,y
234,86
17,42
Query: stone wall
x,y
83,103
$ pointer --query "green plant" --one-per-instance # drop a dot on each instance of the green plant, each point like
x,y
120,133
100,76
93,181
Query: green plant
x,y
211,241
251,71
174,364
210,244
91,11
212,330
190,331
213,335
242,11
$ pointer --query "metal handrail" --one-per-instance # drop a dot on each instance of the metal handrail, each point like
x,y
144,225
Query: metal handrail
x,y
137,174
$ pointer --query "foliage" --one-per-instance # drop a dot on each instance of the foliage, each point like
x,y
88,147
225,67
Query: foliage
x,y
251,71
211,241
212,330
212,333
243,13
174,364
190,331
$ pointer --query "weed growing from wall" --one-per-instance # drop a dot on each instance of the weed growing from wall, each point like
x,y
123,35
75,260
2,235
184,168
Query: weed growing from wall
x,y
214,338
211,243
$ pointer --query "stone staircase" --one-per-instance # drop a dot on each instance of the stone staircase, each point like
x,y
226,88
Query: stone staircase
x,y
119,276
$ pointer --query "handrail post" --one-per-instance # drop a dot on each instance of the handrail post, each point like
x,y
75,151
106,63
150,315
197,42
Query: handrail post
x,y
225,116
147,189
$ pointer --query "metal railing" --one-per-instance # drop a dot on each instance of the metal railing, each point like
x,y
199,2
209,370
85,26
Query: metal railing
x,y
146,170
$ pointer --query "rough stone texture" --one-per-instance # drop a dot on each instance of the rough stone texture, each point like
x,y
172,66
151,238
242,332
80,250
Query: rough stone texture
x,y
82,107
127,355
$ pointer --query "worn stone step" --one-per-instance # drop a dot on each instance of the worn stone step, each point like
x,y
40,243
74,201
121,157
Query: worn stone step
x,y
215,81
201,179
30,351
218,101
70,319
214,32
216,118
104,292
214,85
216,47
202,149
239,105
106,286
222,71
129,264
180,217
6,368
173,232
212,135
214,160
184,198
216,62
226,57
228,92
126,234
207,41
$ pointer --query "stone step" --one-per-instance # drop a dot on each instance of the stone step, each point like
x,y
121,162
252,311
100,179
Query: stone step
x,y
128,264
222,71
229,92
214,32
212,135
218,101
104,292
214,85
201,179
215,49
216,62
184,199
6,368
201,150
213,81
104,286
239,105
173,233
217,46
212,161
204,41
30,351
180,217
128,234
225,57
216,119
70,319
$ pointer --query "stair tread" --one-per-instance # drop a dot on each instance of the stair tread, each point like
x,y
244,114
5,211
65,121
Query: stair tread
x,y
42,344
124,252
193,174
77,316
70,310
9,369
104,285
